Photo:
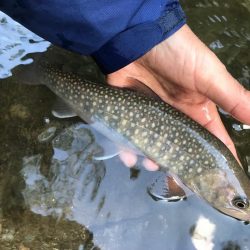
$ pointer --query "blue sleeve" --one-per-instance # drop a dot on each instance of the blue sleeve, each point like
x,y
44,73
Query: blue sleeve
x,y
115,33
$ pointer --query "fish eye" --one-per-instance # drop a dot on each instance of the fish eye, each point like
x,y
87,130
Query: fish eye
x,y
240,202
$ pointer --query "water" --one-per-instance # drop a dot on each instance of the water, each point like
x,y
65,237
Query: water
x,y
54,195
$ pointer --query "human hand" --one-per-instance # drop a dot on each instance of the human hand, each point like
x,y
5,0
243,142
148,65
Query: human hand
x,y
188,76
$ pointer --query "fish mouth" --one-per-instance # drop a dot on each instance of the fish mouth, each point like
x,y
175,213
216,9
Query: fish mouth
x,y
237,214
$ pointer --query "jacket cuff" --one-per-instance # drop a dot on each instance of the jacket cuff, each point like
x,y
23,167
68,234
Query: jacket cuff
x,y
136,41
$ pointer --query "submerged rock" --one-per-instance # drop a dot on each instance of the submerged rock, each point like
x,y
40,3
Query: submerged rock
x,y
47,135
19,111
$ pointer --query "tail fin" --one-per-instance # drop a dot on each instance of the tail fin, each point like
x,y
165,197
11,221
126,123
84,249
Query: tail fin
x,y
28,73
61,59
31,74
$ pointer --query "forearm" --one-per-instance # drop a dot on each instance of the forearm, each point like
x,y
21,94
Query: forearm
x,y
115,33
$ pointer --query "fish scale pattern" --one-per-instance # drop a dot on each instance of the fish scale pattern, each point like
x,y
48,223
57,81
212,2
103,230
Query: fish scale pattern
x,y
163,134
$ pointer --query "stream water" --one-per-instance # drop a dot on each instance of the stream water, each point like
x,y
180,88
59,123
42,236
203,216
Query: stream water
x,y
54,195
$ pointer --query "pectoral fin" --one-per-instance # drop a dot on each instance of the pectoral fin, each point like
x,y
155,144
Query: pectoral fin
x,y
109,148
62,110
167,188
109,151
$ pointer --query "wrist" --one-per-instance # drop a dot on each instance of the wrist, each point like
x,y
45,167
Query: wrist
x,y
135,41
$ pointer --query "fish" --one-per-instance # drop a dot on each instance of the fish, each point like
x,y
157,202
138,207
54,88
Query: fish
x,y
163,134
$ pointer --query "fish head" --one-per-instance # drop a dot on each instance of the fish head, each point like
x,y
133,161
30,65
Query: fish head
x,y
226,190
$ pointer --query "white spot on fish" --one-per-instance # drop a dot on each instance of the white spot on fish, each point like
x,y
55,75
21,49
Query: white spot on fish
x,y
124,122
199,170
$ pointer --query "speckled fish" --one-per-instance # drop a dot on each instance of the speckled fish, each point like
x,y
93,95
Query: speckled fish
x,y
163,134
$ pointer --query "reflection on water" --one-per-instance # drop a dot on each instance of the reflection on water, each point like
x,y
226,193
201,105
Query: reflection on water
x,y
117,208
203,234
16,42
56,194
74,177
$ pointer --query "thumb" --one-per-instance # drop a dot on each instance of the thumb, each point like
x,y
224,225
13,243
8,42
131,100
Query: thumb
x,y
132,78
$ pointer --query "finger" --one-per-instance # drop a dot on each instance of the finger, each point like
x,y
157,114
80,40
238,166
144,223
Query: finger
x,y
150,165
128,158
216,127
126,78
227,93
206,115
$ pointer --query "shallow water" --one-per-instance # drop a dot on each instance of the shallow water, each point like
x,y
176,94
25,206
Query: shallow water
x,y
54,195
